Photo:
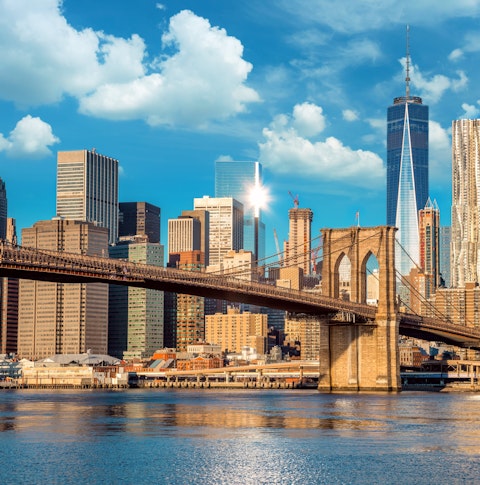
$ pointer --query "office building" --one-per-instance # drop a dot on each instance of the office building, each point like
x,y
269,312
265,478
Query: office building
x,y
87,189
225,225
3,210
465,246
202,216
297,249
139,219
135,327
8,315
234,331
190,309
429,230
407,172
184,234
445,241
63,318
238,180
306,330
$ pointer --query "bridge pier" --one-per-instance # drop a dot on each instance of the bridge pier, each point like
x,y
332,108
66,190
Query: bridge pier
x,y
360,356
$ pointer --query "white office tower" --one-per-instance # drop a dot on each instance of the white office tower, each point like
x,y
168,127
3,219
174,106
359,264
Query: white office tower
x,y
225,225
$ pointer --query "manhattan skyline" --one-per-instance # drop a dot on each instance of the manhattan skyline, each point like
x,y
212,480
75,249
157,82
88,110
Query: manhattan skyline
x,y
168,88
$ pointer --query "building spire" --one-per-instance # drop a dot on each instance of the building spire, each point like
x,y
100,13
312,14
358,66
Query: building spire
x,y
407,78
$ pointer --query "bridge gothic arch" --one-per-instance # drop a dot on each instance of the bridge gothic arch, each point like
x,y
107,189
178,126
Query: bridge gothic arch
x,y
360,355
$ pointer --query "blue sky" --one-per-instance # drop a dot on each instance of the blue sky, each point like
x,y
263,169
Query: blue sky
x,y
169,87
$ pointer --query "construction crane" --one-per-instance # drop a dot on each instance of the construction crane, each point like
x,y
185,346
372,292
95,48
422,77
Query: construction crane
x,y
295,200
277,246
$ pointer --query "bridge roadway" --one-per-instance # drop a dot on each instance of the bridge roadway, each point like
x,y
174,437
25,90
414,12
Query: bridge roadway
x,y
62,267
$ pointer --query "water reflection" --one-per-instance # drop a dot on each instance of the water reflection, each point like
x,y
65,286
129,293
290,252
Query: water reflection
x,y
189,436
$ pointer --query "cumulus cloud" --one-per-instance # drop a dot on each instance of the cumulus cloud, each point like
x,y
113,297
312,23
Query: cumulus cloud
x,y
204,80
349,115
200,76
433,87
31,137
470,111
288,151
44,58
308,119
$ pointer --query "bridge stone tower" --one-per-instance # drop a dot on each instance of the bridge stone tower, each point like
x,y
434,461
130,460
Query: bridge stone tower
x,y
354,355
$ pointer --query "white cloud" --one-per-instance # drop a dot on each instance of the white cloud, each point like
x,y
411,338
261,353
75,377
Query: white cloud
x,y
365,15
160,6
204,80
455,55
433,87
440,154
308,119
470,111
44,59
349,115
31,137
286,151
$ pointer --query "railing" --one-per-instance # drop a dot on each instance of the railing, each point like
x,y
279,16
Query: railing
x,y
125,272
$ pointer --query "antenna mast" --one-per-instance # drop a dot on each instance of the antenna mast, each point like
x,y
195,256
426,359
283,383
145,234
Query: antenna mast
x,y
407,78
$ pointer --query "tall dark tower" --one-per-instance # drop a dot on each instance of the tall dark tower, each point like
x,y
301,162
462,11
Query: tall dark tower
x,y
3,210
407,171
139,219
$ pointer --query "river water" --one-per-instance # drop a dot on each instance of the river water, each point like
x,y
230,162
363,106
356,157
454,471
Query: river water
x,y
159,436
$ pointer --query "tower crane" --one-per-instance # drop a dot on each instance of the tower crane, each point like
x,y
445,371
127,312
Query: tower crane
x,y
295,200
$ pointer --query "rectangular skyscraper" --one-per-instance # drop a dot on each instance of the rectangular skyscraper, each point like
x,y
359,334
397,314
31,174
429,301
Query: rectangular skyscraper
x,y
139,219
407,172
465,244
226,225
87,189
60,318
237,180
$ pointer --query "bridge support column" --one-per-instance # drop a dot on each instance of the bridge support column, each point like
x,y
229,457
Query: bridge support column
x,y
359,357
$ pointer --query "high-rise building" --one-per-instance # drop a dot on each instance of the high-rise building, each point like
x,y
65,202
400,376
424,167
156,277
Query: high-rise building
x,y
239,180
429,227
407,172
135,326
235,330
184,234
139,219
8,315
3,210
204,218
298,247
225,225
445,241
190,309
87,189
465,247
63,318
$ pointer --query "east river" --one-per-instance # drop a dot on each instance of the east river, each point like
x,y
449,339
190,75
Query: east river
x,y
238,437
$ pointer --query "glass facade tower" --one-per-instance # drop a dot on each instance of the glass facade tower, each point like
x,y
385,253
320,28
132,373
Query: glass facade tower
x,y
237,179
407,175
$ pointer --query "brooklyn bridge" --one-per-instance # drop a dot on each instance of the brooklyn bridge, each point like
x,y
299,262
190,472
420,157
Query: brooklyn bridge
x,y
358,342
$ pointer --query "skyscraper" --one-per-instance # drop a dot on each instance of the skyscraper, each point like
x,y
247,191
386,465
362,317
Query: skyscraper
x,y
135,320
465,245
429,226
407,171
63,318
298,247
225,227
3,210
237,180
445,242
138,219
87,189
